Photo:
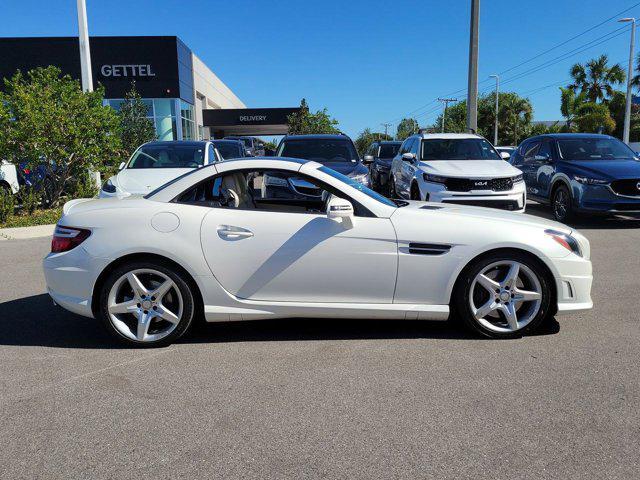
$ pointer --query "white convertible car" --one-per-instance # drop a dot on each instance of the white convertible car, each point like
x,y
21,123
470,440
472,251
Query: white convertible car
x,y
211,243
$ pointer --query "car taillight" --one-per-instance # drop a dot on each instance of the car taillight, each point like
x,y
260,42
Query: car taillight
x,y
67,238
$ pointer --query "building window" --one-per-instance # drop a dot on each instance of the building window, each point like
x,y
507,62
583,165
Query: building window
x,y
161,111
187,117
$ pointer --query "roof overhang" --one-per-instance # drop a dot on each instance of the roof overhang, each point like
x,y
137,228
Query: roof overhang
x,y
248,121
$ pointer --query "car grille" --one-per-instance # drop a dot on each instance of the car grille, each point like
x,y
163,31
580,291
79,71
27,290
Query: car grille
x,y
500,204
628,187
466,185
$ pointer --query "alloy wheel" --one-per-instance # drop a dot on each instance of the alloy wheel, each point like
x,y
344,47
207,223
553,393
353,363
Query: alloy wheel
x,y
561,203
145,305
505,296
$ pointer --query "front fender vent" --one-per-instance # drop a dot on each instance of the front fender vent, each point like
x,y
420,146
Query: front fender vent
x,y
428,249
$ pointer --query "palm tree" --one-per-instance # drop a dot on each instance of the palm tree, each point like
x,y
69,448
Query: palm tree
x,y
515,116
596,79
570,103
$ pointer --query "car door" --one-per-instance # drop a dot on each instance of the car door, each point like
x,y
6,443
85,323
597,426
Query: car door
x,y
407,170
397,164
280,253
528,167
544,164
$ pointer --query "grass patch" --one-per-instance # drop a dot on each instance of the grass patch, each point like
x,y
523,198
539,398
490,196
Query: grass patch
x,y
39,217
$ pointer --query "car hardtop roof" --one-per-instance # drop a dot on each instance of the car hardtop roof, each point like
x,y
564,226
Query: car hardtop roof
x,y
436,136
299,161
571,135
177,142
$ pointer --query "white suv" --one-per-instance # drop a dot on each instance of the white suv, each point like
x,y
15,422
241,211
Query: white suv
x,y
8,177
456,168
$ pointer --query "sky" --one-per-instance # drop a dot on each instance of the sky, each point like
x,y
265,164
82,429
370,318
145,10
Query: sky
x,y
368,62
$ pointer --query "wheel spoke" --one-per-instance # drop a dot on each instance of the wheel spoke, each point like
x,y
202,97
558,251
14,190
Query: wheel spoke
x,y
138,288
512,276
143,325
510,314
125,307
486,282
486,309
166,314
160,292
526,296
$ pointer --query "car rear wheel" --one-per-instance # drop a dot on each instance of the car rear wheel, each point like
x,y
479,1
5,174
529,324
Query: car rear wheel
x,y
503,295
561,204
146,304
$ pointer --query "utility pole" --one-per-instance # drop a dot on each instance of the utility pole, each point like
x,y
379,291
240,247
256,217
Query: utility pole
x,y
495,130
445,102
85,54
627,106
472,87
386,128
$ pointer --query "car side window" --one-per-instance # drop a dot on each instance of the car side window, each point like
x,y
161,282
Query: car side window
x,y
545,149
530,151
405,146
266,190
415,146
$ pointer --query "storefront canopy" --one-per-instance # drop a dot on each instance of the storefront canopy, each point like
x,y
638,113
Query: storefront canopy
x,y
247,121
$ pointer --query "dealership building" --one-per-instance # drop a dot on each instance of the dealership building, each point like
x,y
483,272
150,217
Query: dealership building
x,y
185,100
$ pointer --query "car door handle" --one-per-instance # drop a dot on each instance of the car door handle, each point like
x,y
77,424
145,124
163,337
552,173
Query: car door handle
x,y
233,233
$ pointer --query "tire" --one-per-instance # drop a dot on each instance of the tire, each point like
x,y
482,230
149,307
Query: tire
x,y
472,296
145,319
415,192
562,204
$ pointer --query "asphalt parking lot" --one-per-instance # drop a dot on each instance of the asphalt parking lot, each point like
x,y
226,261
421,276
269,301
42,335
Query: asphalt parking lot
x,y
324,399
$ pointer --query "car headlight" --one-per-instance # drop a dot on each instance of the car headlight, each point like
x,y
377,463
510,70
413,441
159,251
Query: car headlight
x,y
591,181
517,179
108,187
566,240
363,179
275,181
433,178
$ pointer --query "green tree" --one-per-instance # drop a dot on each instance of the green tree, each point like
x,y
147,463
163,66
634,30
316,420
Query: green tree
x,y
406,128
596,79
56,124
366,138
136,128
594,117
617,105
304,122
569,104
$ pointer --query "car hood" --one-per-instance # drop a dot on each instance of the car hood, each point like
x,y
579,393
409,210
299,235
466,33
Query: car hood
x,y
469,168
347,168
144,180
455,212
608,169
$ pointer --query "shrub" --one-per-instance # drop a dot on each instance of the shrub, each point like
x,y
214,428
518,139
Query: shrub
x,y
30,199
7,204
85,187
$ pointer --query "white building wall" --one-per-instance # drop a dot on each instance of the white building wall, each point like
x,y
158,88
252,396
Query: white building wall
x,y
210,92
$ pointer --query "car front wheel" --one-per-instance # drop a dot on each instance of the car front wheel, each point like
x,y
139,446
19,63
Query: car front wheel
x,y
503,295
146,304
561,204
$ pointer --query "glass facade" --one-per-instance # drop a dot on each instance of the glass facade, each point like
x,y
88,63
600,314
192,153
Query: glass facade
x,y
162,112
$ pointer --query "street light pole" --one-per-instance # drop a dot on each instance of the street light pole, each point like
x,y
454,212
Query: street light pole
x,y
627,106
495,129
472,87
85,54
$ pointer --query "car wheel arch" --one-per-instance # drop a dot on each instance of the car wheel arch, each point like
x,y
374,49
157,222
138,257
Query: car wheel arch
x,y
535,257
146,257
557,182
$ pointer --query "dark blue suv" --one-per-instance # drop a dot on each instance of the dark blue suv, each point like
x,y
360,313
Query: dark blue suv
x,y
580,173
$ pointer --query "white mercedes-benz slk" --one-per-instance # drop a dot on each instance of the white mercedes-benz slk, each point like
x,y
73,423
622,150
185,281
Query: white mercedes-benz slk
x,y
213,243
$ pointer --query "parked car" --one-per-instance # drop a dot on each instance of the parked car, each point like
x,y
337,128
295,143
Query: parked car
x,y
378,158
9,177
155,163
506,151
208,244
335,151
456,168
254,146
230,148
580,173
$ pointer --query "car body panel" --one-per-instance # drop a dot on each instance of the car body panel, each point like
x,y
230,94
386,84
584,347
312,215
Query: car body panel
x,y
9,176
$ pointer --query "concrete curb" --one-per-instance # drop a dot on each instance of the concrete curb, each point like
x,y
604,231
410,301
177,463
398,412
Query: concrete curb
x,y
23,233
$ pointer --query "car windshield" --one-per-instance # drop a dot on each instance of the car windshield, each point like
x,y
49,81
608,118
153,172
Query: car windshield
x,y
458,149
320,150
593,149
228,149
388,150
168,156
359,186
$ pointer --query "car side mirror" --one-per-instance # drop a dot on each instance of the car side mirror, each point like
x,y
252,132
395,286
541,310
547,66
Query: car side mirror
x,y
542,158
339,208
367,159
121,166
408,157
505,155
